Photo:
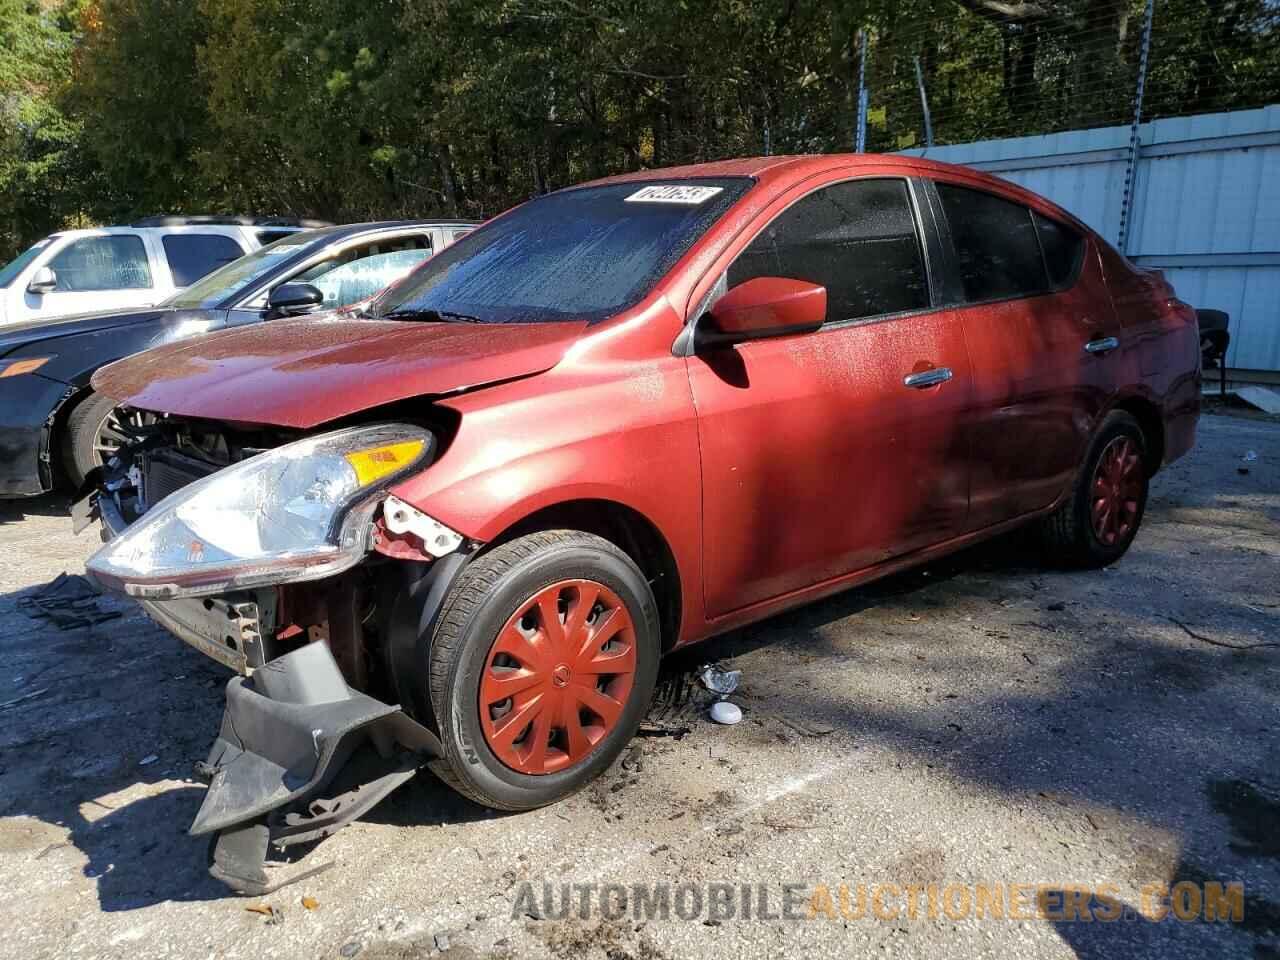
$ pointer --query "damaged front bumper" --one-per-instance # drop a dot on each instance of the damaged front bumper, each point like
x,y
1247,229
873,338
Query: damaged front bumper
x,y
229,628
300,754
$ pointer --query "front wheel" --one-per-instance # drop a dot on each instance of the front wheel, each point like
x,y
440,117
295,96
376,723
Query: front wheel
x,y
96,429
1098,522
541,668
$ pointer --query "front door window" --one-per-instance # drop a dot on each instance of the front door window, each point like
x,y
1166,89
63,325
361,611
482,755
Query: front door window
x,y
359,272
92,264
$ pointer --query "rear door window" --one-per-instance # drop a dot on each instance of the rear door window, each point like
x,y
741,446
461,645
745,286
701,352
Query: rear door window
x,y
996,246
858,239
1063,251
194,255
114,262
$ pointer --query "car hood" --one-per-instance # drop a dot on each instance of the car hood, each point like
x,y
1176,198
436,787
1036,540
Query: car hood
x,y
302,373
15,335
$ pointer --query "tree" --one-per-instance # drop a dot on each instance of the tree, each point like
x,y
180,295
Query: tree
x,y
402,108
39,178
144,107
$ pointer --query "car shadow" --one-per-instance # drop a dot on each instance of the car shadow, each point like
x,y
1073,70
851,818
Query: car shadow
x,y
1013,555
1151,928
100,735
1124,712
48,505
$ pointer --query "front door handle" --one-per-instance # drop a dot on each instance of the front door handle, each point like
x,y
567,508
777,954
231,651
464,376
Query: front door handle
x,y
927,378
1104,345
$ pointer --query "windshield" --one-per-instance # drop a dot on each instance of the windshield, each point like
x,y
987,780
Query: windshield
x,y
581,254
240,274
19,263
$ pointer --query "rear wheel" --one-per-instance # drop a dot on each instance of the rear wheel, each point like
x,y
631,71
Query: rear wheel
x,y
1096,525
541,668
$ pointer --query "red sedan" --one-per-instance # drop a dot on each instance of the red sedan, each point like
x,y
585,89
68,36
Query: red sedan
x,y
618,419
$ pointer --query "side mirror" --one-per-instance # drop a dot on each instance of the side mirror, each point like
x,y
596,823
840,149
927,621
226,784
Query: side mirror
x,y
293,299
44,281
767,307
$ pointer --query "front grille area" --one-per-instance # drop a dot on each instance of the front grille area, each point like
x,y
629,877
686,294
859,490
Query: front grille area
x,y
165,471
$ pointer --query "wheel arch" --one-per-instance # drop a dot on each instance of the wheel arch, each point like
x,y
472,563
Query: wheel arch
x,y
631,532
1151,421
59,451
80,388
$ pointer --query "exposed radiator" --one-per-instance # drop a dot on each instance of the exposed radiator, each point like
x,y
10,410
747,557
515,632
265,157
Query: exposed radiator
x,y
167,471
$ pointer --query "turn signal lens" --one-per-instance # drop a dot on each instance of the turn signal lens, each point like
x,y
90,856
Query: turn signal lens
x,y
372,465
16,368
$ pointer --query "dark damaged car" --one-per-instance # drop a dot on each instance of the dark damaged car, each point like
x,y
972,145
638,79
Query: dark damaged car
x,y
460,530
55,428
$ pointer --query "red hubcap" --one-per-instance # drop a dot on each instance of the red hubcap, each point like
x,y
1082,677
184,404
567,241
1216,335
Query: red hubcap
x,y
1117,491
557,677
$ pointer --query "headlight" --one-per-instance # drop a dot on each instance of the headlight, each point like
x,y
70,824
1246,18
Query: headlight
x,y
13,368
298,512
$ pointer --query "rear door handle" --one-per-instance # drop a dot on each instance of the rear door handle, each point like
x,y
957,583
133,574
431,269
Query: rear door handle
x,y
1104,345
928,378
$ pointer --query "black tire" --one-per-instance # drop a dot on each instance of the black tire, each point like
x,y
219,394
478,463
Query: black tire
x,y
1068,534
489,592
81,437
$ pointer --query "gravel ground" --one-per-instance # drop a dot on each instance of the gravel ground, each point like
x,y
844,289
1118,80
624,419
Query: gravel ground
x,y
983,721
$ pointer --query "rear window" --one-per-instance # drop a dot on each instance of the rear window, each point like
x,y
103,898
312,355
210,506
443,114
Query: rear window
x,y
579,254
242,273
192,255
995,243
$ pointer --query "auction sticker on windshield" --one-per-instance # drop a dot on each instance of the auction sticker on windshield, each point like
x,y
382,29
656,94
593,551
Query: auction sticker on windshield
x,y
672,193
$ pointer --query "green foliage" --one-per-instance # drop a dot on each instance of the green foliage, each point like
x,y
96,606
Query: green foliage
x,y
39,178
399,108
143,106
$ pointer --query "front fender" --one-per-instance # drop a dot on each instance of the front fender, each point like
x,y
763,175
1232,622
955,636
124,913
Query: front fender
x,y
496,500
629,438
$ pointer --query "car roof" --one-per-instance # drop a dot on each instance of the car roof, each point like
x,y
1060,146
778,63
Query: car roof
x,y
344,230
792,167
781,172
124,228
228,220
336,232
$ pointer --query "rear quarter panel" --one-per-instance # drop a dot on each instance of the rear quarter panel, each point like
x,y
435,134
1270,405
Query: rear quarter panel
x,y
1161,357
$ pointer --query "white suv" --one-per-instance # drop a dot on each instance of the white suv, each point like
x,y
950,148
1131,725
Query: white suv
x,y
110,268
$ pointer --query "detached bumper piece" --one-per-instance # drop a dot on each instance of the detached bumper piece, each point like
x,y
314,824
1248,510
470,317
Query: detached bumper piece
x,y
300,755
